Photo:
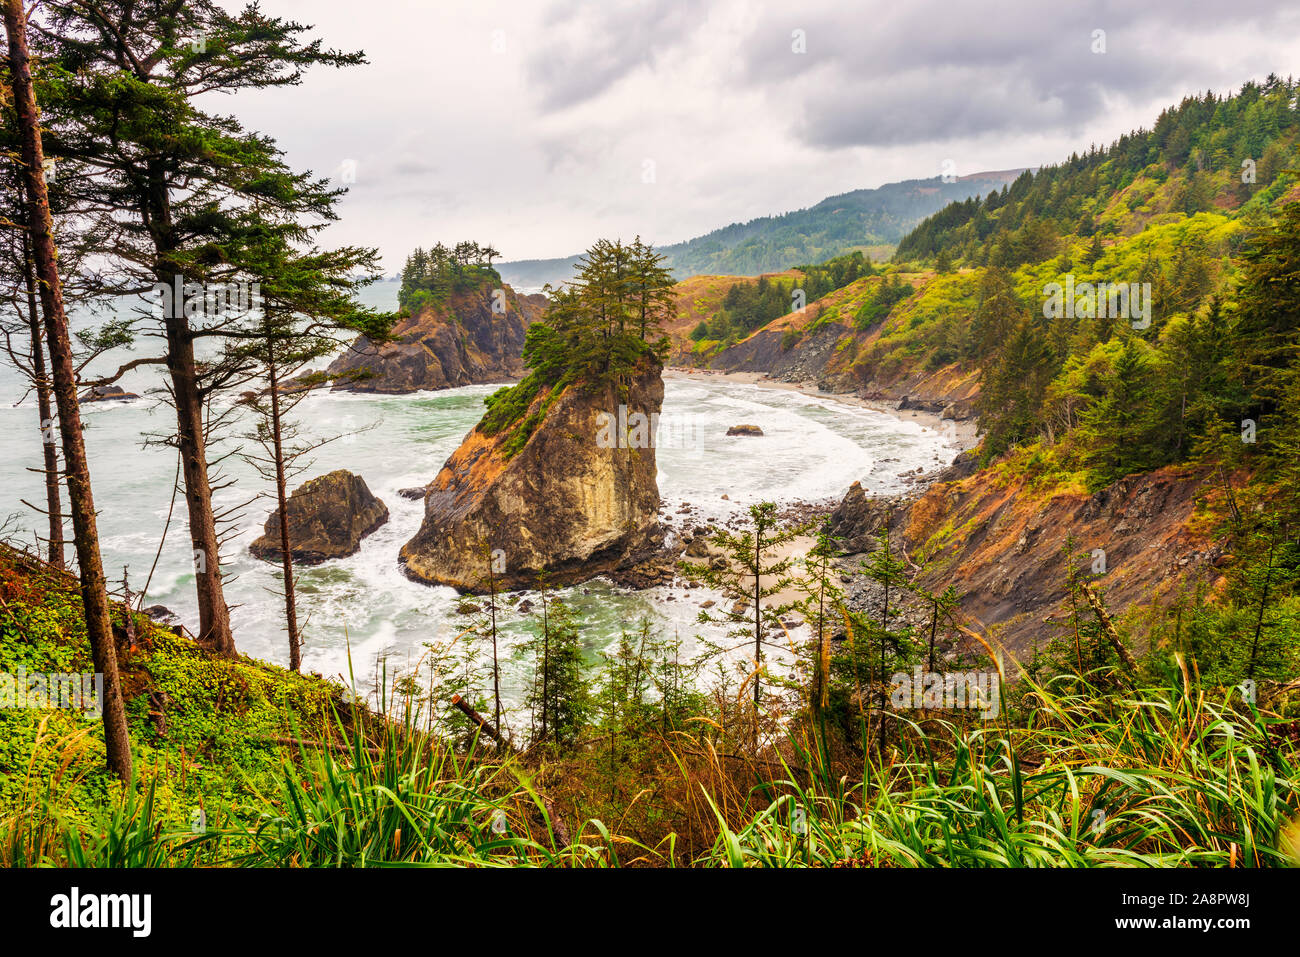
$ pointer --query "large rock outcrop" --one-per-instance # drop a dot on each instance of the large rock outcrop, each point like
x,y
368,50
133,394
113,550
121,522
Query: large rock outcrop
x,y
999,541
328,517
460,342
577,500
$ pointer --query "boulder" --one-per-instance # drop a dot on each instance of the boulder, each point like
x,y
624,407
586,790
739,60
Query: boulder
x,y
105,393
858,518
328,517
744,430
161,613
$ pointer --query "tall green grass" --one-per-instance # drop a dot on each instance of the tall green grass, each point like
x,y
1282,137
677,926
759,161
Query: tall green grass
x,y
1088,778
1150,779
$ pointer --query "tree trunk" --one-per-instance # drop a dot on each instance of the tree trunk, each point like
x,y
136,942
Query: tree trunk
x,y
934,629
496,664
53,503
758,629
546,662
884,631
94,588
214,615
282,500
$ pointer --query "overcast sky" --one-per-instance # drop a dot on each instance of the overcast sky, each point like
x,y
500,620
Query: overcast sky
x,y
541,125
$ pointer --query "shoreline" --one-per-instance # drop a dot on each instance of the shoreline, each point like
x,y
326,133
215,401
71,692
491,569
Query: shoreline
x,y
964,432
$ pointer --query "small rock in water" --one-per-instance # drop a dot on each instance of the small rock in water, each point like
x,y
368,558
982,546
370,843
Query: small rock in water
x,y
744,430
105,393
160,613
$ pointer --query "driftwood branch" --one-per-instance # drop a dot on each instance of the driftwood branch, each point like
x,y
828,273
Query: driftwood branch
x,y
1108,627
484,724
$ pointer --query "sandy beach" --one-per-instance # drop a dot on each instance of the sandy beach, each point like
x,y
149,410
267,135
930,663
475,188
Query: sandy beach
x,y
966,433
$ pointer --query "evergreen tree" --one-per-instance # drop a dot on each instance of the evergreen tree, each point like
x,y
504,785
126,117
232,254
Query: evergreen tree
x,y
754,570
186,198
559,696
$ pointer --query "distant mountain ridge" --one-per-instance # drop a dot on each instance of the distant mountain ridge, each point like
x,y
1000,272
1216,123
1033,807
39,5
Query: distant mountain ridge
x,y
858,219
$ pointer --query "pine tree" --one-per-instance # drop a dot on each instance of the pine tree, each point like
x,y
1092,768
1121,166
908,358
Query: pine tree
x,y
94,587
186,198
883,567
754,570
559,696
306,302
821,607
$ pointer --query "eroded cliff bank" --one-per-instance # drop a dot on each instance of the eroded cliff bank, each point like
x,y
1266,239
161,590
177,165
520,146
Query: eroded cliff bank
x,y
1000,537
474,336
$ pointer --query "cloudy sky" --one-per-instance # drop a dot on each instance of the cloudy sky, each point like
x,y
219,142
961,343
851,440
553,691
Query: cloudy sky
x,y
541,125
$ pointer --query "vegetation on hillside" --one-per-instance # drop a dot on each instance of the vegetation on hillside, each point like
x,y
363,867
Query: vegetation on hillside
x,y
747,307
430,276
868,221
598,329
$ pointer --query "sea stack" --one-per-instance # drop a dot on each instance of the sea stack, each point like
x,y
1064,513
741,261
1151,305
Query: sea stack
x,y
575,497
474,335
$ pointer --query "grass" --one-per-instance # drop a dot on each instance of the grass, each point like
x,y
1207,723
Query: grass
x,y
1074,773
1096,779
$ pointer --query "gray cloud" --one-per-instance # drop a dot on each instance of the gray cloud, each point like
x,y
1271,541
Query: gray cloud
x,y
538,144
601,43
925,72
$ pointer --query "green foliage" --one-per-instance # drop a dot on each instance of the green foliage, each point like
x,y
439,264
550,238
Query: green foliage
x,y
559,695
1091,782
889,293
430,277
1188,159
598,329
750,306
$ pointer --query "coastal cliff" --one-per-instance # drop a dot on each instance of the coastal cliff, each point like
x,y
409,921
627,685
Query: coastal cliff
x,y
474,335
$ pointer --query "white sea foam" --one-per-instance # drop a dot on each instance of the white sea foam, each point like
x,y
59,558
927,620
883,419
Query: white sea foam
x,y
812,449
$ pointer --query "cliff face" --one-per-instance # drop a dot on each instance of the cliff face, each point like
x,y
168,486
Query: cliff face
x,y
824,344
571,502
459,342
999,541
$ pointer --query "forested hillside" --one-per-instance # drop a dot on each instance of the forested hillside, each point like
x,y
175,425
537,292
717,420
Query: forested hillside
x,y
864,220
1131,310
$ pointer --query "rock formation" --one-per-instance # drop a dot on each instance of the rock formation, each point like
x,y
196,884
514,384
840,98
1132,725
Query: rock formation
x,y
459,342
328,517
999,542
570,502
105,393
